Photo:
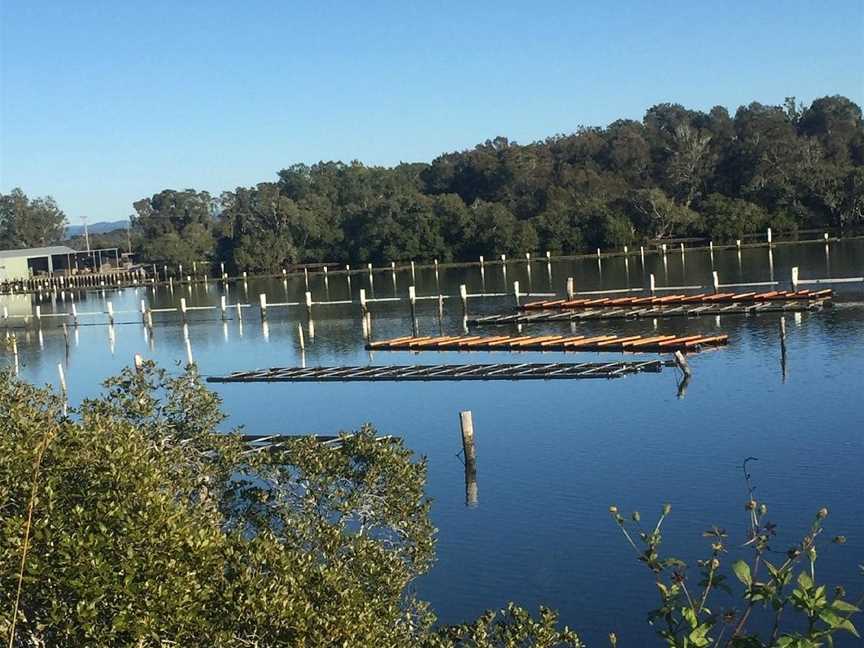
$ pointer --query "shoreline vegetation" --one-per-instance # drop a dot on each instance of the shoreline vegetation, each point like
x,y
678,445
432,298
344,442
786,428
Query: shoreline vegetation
x,y
130,520
678,173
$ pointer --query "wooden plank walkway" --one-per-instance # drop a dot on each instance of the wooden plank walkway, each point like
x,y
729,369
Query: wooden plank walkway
x,y
633,343
602,312
700,298
524,371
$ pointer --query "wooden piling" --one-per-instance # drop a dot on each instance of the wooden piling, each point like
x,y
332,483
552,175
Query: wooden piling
x,y
469,451
463,295
516,292
363,306
681,361
309,304
571,292
716,281
183,309
783,335
262,300
412,300
651,283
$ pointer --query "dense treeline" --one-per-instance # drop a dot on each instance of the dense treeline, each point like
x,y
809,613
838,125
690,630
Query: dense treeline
x,y
676,173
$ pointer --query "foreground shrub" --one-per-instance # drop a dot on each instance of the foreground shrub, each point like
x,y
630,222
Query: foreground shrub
x,y
132,522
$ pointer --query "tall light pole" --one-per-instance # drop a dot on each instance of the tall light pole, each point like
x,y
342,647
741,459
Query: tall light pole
x,y
86,233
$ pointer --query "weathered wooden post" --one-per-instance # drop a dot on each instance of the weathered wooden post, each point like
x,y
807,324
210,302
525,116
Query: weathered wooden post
x,y
651,284
363,307
412,300
412,270
681,361
570,288
469,451
183,309
795,278
682,248
239,312
309,304
143,307
463,295
262,300
738,243
642,253
39,316
663,248
768,233
516,292
716,279
223,306
440,308
783,335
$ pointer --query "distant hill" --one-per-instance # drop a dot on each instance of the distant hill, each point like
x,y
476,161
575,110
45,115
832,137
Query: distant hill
x,y
97,228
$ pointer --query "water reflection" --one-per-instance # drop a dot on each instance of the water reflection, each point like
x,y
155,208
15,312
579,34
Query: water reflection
x,y
555,453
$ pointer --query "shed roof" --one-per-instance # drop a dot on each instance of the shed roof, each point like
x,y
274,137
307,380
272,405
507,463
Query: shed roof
x,y
36,252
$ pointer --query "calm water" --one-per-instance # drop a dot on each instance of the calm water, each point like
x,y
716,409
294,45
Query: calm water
x,y
552,456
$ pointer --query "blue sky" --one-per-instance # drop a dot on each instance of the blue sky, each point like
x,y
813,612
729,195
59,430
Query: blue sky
x,y
107,102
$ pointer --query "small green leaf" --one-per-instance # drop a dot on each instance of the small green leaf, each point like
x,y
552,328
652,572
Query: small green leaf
x,y
805,581
844,606
742,571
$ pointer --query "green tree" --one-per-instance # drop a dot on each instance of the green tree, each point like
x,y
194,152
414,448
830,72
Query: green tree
x,y
131,521
728,219
656,215
175,227
26,222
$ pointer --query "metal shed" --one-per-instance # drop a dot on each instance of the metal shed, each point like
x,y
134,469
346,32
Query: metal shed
x,y
22,264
